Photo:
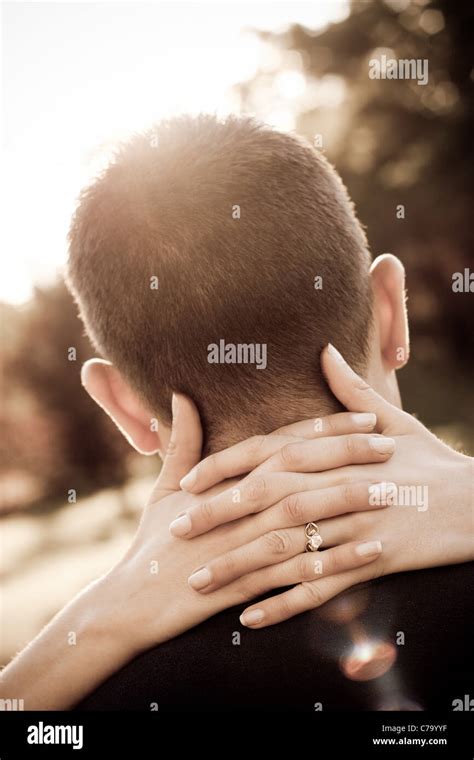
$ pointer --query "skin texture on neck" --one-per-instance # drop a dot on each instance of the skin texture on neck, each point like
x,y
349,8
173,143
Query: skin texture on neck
x,y
378,375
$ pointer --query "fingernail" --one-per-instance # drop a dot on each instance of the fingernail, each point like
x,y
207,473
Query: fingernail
x,y
189,479
181,525
370,547
382,445
252,617
335,353
200,579
364,420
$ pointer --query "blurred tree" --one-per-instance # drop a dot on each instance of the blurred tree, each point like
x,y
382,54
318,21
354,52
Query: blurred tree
x,y
58,439
396,143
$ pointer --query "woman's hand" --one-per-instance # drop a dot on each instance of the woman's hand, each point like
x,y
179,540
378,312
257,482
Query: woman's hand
x,y
150,584
146,599
427,486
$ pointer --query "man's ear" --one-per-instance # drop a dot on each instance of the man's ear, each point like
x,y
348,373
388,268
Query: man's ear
x,y
106,386
388,284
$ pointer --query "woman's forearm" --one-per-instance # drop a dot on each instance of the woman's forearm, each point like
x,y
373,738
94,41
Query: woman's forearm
x,y
77,650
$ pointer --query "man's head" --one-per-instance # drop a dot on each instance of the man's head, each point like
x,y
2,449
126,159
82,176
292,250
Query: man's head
x,y
216,258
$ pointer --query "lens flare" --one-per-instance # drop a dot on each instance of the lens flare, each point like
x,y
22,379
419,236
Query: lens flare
x,y
368,659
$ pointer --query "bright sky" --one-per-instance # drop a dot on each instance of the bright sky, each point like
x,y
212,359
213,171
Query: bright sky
x,y
77,76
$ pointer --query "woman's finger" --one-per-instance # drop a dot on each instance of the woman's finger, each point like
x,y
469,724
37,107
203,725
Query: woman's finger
x,y
357,395
306,596
342,423
260,491
314,506
184,448
329,453
246,455
283,533
310,566
249,496
271,548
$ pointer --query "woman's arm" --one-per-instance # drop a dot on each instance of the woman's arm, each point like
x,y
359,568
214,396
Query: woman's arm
x,y
146,598
77,650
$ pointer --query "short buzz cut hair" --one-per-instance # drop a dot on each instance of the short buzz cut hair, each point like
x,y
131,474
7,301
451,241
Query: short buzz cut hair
x,y
204,230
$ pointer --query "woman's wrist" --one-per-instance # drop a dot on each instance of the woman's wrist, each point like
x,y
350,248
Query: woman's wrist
x,y
107,617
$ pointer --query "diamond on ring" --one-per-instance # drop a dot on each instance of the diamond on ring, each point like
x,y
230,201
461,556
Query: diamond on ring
x,y
314,539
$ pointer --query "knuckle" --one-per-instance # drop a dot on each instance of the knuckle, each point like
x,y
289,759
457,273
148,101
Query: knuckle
x,y
361,385
338,561
211,462
360,523
290,454
255,490
324,503
247,588
206,512
302,566
350,446
277,542
282,609
257,583
313,593
347,475
256,445
172,447
225,567
329,425
209,466
293,508
347,494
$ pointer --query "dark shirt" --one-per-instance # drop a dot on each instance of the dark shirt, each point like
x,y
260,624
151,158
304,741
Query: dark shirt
x,y
425,616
